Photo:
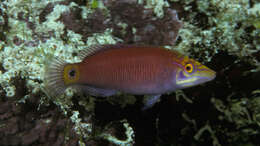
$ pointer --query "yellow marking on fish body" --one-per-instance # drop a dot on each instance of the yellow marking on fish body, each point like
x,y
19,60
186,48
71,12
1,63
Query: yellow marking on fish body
x,y
71,74
185,82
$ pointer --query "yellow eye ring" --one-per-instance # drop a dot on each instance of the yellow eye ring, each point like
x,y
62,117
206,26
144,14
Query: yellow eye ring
x,y
189,68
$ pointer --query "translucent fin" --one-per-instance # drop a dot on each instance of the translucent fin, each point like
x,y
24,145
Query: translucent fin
x,y
93,91
150,100
89,51
93,49
53,77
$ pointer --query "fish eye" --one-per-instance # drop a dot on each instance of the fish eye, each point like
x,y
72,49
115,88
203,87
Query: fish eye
x,y
72,73
189,68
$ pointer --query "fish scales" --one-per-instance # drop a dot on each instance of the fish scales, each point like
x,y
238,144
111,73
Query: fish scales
x,y
120,69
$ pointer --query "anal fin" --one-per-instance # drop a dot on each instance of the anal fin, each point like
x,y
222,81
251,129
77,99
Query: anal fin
x,y
94,91
150,100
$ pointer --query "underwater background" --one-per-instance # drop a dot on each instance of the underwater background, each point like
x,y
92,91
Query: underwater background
x,y
222,34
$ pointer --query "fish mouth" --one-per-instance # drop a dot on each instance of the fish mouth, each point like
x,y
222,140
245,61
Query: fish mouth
x,y
208,75
202,77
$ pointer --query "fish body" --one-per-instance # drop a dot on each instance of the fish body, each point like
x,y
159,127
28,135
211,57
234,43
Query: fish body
x,y
134,70
139,70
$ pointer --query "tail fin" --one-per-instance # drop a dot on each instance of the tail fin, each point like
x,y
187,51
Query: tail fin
x,y
53,77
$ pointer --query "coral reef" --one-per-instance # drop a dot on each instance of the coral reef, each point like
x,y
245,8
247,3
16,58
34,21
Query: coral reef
x,y
224,34
25,124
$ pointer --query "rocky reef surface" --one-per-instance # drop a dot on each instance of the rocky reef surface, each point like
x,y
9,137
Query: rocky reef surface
x,y
223,34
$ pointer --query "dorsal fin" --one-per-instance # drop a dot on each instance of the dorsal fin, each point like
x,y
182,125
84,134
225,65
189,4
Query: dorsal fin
x,y
91,50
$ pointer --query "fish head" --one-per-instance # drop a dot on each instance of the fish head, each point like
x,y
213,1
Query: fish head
x,y
190,73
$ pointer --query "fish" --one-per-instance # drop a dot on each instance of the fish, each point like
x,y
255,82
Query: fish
x,y
106,70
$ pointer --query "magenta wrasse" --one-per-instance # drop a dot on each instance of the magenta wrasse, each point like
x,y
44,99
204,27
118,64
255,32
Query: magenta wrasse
x,y
139,70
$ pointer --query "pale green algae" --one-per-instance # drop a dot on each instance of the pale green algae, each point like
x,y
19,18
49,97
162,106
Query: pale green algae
x,y
156,5
223,32
28,59
129,141
80,126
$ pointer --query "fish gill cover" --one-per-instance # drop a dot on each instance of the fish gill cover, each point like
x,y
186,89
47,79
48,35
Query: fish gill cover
x,y
223,34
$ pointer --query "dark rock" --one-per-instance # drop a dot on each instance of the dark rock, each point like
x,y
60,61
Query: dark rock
x,y
149,29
